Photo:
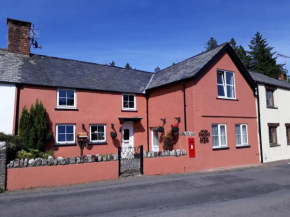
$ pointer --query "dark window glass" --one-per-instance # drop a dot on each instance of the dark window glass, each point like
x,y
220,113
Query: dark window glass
x,y
62,93
270,98
97,133
61,129
69,129
273,135
126,134
66,97
288,134
61,137
65,133
129,101
221,91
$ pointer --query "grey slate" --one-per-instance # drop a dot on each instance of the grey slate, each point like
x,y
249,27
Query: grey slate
x,y
264,79
57,72
183,70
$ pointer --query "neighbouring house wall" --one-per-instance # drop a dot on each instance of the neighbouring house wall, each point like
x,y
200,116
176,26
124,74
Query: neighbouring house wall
x,y
33,177
279,115
93,108
7,97
204,109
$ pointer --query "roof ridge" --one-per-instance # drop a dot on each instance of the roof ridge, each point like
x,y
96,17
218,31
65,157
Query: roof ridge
x,y
81,61
193,57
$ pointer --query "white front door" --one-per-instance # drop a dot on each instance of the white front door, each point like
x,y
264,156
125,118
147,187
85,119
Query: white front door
x,y
155,139
127,136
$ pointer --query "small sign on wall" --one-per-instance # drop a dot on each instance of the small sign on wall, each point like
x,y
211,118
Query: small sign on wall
x,y
186,133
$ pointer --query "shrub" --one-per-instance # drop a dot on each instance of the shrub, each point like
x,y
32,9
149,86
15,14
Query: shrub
x,y
33,126
14,144
24,154
168,141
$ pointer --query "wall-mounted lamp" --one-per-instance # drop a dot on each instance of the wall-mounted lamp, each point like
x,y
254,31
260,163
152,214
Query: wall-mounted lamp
x,y
178,119
163,120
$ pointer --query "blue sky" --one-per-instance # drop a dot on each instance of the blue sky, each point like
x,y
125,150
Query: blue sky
x,y
147,33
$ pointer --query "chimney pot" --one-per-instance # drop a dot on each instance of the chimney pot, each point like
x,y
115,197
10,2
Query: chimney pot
x,y
18,36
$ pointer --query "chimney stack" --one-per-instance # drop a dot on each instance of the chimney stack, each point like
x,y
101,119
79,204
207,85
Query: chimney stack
x,y
282,76
18,36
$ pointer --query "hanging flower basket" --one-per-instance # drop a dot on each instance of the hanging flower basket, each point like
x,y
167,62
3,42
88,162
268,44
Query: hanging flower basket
x,y
48,136
175,128
114,135
160,129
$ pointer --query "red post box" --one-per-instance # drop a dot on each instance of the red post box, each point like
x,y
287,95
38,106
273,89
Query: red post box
x,y
191,147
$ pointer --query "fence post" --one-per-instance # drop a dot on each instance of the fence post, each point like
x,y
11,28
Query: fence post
x,y
119,159
141,160
2,166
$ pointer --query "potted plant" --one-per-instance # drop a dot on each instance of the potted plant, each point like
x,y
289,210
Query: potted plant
x,y
48,136
175,128
160,129
113,134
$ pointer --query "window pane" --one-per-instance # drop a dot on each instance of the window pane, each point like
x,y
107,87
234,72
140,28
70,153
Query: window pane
x,y
61,129
219,78
125,104
101,136
70,93
269,95
215,141
230,78
101,129
94,129
69,129
70,102
223,141
131,97
61,137
215,130
126,134
238,135
62,101
69,137
223,135
231,91
221,91
131,104
62,93
125,97
94,136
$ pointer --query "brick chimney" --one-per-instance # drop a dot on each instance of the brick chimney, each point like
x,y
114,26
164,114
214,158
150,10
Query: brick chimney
x,y
18,36
282,76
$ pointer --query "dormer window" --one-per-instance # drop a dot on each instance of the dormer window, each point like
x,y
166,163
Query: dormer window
x,y
66,98
129,102
226,84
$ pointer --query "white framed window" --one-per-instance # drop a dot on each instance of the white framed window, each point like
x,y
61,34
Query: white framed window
x,y
97,133
66,98
241,134
226,84
128,102
219,135
65,134
155,139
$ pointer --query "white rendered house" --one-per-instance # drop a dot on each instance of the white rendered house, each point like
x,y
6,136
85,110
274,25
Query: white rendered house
x,y
274,103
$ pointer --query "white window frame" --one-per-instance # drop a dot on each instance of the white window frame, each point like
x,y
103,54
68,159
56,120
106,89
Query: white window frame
x,y
129,109
65,106
241,131
219,136
105,133
224,72
66,142
152,138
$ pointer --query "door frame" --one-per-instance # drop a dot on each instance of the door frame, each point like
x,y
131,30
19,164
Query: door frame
x,y
129,123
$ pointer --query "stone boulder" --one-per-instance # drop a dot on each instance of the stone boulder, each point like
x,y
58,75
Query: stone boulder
x,y
38,162
31,162
72,160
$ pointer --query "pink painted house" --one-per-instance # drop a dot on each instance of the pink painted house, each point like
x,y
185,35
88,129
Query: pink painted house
x,y
211,95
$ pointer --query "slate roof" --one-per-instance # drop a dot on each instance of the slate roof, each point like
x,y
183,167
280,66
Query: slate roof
x,y
264,79
57,72
185,69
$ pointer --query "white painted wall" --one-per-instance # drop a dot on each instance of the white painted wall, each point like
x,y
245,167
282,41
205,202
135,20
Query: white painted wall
x,y
280,115
7,100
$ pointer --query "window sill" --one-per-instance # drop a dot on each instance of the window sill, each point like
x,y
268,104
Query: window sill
x,y
274,145
98,143
220,148
272,107
129,110
66,109
232,99
64,145
243,146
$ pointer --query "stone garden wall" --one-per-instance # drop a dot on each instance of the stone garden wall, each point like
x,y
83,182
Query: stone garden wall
x,y
2,166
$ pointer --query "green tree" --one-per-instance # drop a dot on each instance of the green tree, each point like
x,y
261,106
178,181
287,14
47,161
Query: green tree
x,y
157,69
127,66
112,64
33,126
24,125
211,44
233,44
244,57
262,59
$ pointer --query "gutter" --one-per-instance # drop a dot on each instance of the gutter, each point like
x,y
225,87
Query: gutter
x,y
259,123
184,105
17,110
